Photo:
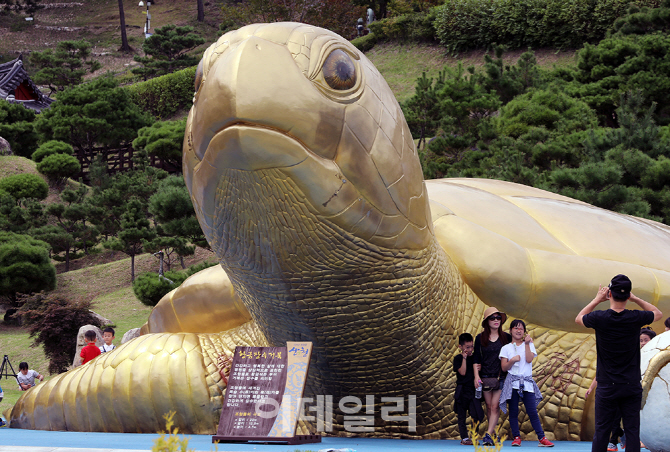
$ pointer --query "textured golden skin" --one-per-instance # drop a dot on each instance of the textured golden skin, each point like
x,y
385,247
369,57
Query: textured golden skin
x,y
312,197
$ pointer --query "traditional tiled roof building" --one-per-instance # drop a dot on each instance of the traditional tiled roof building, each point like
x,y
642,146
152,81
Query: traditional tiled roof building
x,y
16,87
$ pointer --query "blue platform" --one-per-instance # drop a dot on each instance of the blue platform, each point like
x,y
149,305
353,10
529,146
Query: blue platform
x,y
16,440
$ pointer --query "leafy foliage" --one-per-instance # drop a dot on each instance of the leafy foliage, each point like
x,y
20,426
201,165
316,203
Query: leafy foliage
x,y
69,229
54,323
621,63
21,186
470,24
20,217
65,66
95,113
164,96
16,126
58,167
135,231
51,147
149,287
24,265
163,139
411,26
29,7
168,51
111,197
176,223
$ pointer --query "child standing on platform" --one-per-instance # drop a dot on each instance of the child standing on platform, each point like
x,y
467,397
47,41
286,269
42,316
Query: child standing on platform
x,y
108,337
464,398
90,351
517,359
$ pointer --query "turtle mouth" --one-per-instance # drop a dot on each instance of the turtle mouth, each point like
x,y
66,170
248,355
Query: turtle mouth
x,y
252,146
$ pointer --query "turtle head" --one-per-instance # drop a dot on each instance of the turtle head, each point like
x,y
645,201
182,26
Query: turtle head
x,y
301,104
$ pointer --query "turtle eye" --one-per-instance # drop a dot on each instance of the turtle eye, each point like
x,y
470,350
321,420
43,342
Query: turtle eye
x,y
199,73
339,71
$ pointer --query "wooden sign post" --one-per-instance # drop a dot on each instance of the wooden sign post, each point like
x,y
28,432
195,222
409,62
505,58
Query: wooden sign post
x,y
263,397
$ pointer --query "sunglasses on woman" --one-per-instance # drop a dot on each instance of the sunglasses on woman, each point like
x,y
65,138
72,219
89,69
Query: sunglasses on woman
x,y
495,317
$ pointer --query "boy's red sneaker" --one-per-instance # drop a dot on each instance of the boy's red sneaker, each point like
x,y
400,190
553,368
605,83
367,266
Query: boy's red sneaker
x,y
544,442
516,441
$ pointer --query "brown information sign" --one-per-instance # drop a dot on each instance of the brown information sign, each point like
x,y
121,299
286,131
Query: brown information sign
x,y
262,401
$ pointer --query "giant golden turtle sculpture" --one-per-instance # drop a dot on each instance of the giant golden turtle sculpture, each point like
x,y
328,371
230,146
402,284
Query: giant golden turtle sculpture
x,y
307,184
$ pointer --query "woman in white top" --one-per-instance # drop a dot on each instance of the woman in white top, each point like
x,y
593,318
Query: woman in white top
x,y
517,359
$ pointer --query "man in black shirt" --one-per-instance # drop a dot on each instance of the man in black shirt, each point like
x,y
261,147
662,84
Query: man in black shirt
x,y
618,367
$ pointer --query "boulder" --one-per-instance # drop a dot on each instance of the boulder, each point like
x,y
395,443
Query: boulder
x,y
130,334
5,148
81,341
103,321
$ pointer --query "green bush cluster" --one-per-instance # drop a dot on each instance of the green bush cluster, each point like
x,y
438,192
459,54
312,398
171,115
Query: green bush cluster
x,y
417,26
21,186
365,43
592,132
51,147
167,95
149,287
469,24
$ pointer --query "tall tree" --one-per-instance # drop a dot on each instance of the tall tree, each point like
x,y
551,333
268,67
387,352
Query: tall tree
x,y
25,266
135,232
93,114
68,229
176,223
16,126
125,47
201,11
168,51
163,139
64,67
29,7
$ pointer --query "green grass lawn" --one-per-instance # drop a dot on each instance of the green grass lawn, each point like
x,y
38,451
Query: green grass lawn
x,y
109,287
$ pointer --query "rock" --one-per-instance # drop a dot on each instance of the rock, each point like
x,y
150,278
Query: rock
x,y
130,334
81,341
11,319
5,149
103,321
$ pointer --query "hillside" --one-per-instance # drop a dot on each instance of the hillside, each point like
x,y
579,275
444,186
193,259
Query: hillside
x,y
103,279
98,22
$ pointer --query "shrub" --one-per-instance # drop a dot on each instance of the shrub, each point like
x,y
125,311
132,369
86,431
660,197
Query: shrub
x,y
548,109
407,27
164,96
58,167
25,186
16,126
469,24
54,322
24,265
149,287
51,147
163,139
365,43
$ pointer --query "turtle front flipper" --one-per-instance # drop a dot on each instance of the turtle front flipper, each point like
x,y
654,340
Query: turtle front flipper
x,y
131,388
205,303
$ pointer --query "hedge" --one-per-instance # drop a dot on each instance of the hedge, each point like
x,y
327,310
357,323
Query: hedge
x,y
407,27
167,95
470,24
